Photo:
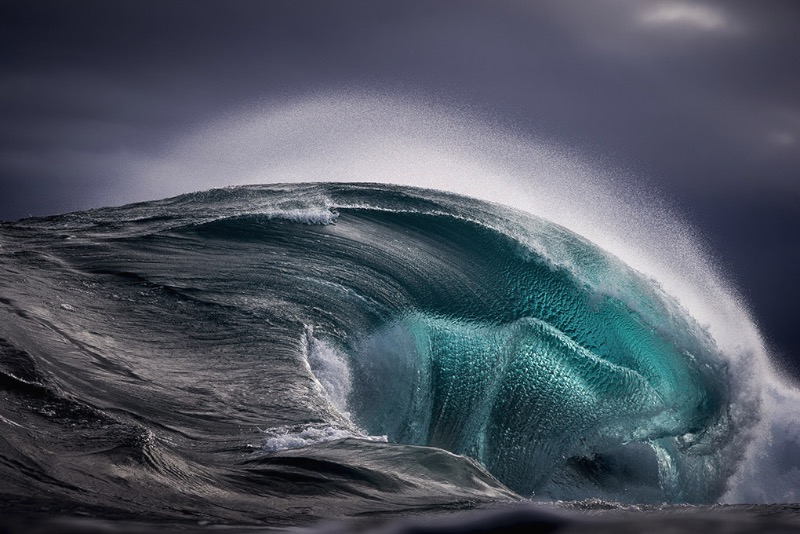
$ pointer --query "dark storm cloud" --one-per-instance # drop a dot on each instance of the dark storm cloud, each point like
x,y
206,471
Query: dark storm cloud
x,y
674,87
700,97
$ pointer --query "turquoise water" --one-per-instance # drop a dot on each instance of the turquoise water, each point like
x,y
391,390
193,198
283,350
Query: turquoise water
x,y
288,353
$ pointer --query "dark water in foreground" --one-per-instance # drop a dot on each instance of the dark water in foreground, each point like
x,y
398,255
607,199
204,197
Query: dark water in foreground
x,y
282,356
567,518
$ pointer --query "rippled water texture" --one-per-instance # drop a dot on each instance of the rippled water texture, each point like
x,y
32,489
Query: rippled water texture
x,y
280,354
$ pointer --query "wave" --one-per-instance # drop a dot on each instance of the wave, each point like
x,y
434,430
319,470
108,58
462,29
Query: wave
x,y
383,336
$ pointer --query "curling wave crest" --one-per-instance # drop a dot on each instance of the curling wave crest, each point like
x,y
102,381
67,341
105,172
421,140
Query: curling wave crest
x,y
402,347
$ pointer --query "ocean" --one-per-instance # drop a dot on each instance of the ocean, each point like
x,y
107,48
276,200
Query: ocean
x,y
365,357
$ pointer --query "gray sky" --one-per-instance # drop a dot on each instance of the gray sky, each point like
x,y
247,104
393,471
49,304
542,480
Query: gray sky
x,y
699,101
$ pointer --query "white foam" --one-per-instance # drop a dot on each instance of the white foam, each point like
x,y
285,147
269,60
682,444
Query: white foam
x,y
770,472
303,215
331,371
286,438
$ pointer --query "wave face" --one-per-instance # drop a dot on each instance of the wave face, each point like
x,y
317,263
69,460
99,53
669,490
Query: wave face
x,y
346,349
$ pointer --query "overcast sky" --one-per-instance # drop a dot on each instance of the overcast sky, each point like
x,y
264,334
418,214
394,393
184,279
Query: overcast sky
x,y
700,100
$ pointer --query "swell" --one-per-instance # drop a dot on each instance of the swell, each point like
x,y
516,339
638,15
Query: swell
x,y
415,267
190,333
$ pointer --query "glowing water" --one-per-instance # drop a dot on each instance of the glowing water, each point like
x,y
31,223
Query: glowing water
x,y
368,138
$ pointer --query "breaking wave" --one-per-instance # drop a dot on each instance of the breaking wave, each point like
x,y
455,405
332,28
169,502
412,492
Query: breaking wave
x,y
363,347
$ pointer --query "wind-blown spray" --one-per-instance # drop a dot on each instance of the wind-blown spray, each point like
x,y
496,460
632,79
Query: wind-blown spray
x,y
372,347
